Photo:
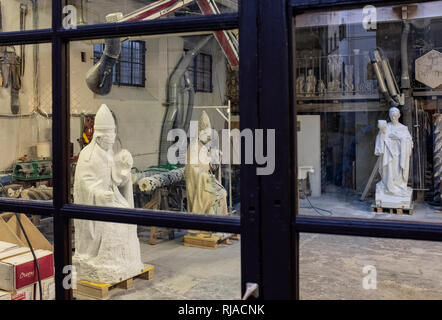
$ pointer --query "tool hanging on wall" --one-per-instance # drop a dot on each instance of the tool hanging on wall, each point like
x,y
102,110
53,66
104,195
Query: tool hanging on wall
x,y
23,13
10,68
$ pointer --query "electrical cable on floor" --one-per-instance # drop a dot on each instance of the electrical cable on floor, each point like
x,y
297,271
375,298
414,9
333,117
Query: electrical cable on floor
x,y
317,209
33,254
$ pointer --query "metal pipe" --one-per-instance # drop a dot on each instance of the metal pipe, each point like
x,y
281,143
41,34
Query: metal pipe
x,y
405,77
172,94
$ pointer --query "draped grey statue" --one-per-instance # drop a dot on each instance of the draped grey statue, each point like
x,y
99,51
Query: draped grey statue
x,y
393,145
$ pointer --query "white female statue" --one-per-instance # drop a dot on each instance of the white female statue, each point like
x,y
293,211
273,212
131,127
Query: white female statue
x,y
393,145
105,252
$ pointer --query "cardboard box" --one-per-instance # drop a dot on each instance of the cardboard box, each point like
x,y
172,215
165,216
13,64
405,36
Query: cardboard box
x,y
26,293
11,232
47,288
5,246
13,252
5,295
20,271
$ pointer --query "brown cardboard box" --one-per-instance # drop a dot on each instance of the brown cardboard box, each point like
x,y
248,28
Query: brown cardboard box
x,y
26,293
10,232
5,246
13,252
47,288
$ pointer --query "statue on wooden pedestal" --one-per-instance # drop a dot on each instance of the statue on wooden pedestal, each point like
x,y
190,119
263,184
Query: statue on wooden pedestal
x,y
205,194
393,145
105,252
310,83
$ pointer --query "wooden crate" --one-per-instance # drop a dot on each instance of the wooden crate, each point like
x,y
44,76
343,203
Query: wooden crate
x,y
102,291
202,240
408,211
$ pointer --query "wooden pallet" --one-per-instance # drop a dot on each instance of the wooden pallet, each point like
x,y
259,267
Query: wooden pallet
x,y
102,291
408,211
205,241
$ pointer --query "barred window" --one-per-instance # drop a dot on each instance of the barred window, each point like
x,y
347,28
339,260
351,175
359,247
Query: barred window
x,y
200,71
130,67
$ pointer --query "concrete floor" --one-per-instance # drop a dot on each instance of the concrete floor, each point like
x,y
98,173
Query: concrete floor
x,y
330,268
186,273
344,203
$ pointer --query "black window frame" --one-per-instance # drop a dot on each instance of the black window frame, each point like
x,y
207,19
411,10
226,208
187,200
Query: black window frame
x,y
118,69
61,209
342,226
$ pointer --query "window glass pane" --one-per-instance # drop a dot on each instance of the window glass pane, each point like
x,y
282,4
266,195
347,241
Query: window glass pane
x,y
26,122
25,15
108,11
159,122
14,246
157,263
360,268
367,103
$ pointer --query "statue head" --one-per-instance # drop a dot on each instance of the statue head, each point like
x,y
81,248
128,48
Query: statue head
x,y
204,128
395,114
104,128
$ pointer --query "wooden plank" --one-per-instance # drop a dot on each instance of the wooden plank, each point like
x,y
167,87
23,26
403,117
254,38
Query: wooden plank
x,y
370,179
102,291
127,284
207,242
398,211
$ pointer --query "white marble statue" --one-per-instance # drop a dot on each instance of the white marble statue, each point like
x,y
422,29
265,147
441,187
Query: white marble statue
x,y
205,194
104,251
310,83
322,90
300,85
393,145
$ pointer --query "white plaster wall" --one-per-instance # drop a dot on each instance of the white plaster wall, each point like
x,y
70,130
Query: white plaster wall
x,y
19,135
309,148
140,111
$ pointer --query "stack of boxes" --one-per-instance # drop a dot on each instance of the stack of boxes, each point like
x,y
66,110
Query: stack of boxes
x,y
18,271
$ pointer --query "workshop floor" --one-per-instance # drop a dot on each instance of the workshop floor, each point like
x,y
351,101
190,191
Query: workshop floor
x,y
331,267
341,202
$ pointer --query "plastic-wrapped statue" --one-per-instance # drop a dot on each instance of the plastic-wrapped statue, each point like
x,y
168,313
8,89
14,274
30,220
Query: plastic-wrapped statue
x,y
310,83
393,144
300,84
205,194
104,251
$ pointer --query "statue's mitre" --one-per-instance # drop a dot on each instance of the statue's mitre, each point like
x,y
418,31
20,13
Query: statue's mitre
x,y
104,120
